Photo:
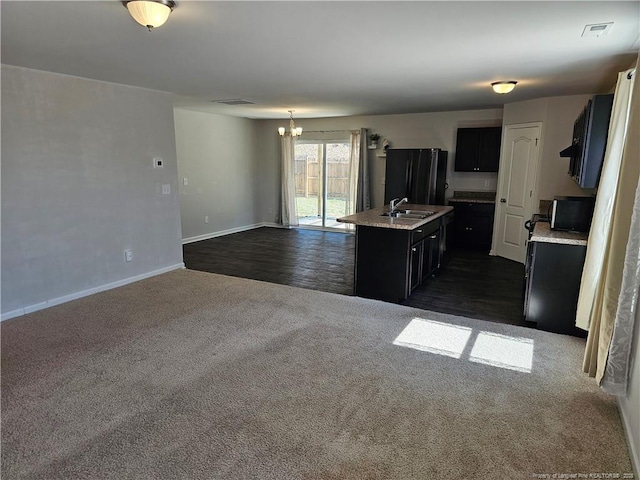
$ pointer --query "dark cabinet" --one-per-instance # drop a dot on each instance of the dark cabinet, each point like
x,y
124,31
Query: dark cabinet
x,y
589,141
553,274
391,263
473,225
478,149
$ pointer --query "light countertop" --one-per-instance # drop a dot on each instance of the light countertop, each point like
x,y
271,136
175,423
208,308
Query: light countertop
x,y
467,196
374,218
543,233
471,200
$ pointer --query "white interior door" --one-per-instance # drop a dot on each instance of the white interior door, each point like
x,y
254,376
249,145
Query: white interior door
x,y
518,167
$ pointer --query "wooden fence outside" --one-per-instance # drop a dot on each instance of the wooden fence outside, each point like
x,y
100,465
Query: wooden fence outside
x,y
307,178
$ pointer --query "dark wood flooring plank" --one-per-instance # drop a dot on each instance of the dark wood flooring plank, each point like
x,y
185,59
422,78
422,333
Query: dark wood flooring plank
x,y
473,284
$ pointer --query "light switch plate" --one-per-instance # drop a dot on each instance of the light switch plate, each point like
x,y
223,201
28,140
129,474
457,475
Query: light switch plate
x,y
166,189
158,162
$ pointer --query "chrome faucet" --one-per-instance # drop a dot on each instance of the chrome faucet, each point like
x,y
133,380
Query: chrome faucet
x,y
393,205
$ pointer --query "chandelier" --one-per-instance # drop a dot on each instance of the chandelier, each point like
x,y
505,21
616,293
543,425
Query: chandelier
x,y
295,131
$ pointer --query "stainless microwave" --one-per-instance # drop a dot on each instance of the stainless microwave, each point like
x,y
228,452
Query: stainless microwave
x,y
572,213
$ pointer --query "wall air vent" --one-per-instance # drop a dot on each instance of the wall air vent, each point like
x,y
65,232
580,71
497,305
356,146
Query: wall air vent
x,y
234,101
597,29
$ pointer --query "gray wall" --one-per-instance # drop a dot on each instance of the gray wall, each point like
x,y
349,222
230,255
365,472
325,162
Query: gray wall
x,y
218,157
79,187
403,131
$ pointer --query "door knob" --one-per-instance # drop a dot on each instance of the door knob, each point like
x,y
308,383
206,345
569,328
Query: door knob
x,y
503,200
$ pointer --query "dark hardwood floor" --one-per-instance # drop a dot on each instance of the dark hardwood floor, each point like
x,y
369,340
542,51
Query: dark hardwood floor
x,y
473,284
302,258
476,285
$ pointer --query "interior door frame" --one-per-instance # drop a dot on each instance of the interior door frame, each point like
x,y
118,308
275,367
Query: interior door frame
x,y
502,172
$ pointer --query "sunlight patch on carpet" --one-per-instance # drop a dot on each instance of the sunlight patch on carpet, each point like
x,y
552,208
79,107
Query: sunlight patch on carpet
x,y
503,351
494,349
434,337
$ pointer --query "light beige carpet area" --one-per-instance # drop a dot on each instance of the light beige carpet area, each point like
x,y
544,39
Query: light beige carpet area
x,y
192,375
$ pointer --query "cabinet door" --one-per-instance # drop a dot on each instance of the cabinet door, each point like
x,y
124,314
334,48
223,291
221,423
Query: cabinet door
x,y
489,149
431,255
416,259
467,149
554,285
473,225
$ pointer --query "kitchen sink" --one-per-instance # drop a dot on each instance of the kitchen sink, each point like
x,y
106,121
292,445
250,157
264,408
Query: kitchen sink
x,y
426,213
411,214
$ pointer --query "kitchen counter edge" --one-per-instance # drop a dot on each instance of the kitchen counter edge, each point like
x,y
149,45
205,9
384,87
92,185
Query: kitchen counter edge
x,y
543,233
374,218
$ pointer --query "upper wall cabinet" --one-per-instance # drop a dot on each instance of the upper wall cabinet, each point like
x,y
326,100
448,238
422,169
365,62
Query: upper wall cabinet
x,y
478,149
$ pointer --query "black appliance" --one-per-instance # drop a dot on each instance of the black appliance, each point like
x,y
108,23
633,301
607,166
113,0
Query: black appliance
x,y
587,148
572,213
416,173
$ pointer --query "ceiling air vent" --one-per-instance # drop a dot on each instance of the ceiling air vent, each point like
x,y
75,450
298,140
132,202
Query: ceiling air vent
x,y
234,101
597,29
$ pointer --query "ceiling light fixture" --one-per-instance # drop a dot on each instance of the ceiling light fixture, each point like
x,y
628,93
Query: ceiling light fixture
x,y
295,132
150,13
504,86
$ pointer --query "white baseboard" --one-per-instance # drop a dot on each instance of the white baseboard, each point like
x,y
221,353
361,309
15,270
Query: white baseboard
x,y
74,296
221,233
634,450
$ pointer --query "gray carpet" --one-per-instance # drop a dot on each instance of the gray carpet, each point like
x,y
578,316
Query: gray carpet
x,y
192,375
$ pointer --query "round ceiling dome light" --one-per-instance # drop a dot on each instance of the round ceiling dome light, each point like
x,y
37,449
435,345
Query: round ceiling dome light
x,y
504,86
150,13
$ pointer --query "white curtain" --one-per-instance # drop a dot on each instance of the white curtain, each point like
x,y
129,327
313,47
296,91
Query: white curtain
x,y
616,373
600,233
354,172
363,197
289,214
609,240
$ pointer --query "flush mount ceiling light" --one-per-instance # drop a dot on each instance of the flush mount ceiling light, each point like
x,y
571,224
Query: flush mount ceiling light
x,y
150,13
295,132
504,86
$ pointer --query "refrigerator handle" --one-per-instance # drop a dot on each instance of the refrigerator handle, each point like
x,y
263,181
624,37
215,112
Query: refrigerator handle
x,y
410,179
433,177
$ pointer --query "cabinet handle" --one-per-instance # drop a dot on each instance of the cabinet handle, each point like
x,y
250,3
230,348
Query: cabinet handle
x,y
433,236
414,249
419,231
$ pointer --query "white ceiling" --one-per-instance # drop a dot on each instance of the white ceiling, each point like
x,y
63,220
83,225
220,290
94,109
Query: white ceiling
x,y
331,58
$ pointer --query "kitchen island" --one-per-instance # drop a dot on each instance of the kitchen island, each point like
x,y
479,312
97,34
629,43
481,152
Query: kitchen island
x,y
396,254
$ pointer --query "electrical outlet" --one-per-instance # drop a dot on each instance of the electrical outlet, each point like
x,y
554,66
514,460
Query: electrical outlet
x,y
486,183
185,181
166,189
158,162
206,219
128,255
383,180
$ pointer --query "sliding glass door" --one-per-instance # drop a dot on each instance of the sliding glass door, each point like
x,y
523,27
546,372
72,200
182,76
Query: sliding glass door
x,y
322,172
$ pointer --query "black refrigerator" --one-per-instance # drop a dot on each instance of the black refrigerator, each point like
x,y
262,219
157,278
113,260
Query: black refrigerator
x,y
416,173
